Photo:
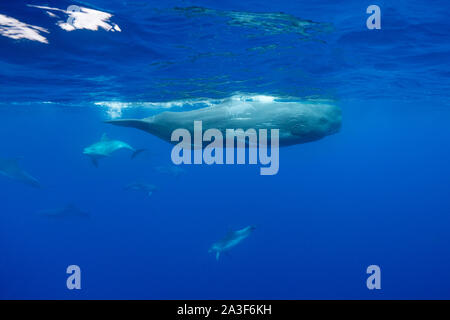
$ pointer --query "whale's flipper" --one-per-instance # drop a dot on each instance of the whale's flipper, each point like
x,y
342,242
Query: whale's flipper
x,y
136,152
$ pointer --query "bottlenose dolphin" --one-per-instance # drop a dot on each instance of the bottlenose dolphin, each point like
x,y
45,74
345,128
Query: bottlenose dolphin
x,y
298,122
175,171
105,147
68,211
233,238
141,186
11,169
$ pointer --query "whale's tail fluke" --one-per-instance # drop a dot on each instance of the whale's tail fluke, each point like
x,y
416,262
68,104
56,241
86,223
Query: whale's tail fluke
x,y
136,152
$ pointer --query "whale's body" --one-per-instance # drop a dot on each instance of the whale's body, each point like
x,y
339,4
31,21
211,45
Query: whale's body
x,y
232,239
298,122
11,169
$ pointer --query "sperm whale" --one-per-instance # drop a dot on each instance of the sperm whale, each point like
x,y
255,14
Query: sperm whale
x,y
297,121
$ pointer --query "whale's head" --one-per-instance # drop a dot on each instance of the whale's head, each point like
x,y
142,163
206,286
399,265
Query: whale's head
x,y
317,120
331,119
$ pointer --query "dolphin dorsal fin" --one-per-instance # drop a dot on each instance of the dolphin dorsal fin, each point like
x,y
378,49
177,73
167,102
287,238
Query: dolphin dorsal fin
x,y
15,160
104,137
12,162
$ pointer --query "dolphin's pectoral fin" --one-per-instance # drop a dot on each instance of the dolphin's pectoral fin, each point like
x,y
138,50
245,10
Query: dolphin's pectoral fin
x,y
150,193
104,137
217,255
95,162
136,152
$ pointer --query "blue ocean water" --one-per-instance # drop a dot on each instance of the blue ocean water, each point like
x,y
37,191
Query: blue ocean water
x,y
374,193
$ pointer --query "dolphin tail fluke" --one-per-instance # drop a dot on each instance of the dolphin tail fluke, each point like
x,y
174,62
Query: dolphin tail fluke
x,y
35,184
31,181
136,152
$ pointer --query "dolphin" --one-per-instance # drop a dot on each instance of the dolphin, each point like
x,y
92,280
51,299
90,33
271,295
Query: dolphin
x,y
298,122
68,211
141,186
11,169
232,239
105,147
171,170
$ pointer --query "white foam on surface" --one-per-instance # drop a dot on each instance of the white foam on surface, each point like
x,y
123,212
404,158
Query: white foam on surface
x,y
15,29
82,18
